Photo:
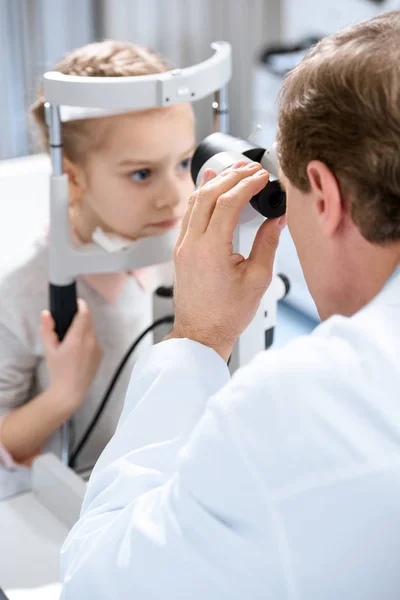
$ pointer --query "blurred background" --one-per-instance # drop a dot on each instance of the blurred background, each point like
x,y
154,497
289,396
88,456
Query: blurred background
x,y
268,38
34,34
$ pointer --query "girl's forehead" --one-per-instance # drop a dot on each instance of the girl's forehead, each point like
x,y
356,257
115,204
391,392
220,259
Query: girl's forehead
x,y
180,115
152,132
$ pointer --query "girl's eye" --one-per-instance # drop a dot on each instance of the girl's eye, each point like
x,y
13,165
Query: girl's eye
x,y
140,175
185,164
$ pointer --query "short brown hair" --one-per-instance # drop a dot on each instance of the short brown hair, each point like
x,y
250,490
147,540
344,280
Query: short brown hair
x,y
101,59
341,106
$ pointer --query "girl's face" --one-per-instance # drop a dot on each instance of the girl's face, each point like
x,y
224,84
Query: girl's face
x,y
139,183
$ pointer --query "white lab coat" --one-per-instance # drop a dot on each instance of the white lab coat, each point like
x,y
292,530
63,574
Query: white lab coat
x,y
283,483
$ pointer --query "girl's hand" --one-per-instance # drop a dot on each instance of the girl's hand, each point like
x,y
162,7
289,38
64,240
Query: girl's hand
x,y
72,363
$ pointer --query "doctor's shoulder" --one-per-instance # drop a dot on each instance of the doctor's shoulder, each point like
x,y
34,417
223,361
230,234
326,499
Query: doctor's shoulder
x,y
345,368
315,406
315,359
341,352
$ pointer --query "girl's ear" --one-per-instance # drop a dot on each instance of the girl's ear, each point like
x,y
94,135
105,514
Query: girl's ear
x,y
76,181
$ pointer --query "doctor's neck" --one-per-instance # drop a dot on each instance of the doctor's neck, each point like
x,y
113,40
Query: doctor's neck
x,y
358,279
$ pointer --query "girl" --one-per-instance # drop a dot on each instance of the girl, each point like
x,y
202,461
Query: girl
x,y
130,175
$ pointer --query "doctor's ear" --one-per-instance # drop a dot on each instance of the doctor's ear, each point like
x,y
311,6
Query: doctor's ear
x,y
327,195
76,180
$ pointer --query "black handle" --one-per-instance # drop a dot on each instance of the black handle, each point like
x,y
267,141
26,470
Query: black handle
x,y
63,306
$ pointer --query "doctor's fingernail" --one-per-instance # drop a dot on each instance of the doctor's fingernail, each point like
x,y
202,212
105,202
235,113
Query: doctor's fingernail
x,y
207,176
282,222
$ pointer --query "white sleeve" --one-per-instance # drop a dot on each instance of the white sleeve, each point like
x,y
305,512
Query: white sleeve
x,y
267,496
182,503
169,391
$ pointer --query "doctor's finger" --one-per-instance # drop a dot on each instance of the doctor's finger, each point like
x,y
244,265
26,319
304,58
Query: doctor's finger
x,y
207,197
262,255
229,206
207,176
210,174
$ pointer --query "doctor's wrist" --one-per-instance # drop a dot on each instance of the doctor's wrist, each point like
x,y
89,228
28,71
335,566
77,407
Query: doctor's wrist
x,y
223,349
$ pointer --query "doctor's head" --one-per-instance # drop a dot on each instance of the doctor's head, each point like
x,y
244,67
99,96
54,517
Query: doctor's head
x,y
129,173
339,150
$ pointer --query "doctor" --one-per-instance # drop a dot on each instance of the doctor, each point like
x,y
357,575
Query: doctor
x,y
284,481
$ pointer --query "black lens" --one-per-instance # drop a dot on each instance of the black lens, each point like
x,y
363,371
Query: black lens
x,y
276,199
271,201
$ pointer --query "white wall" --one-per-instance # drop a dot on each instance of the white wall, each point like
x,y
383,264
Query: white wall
x,y
182,30
24,203
322,17
34,34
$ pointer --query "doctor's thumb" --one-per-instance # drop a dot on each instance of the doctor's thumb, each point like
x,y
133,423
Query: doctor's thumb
x,y
266,243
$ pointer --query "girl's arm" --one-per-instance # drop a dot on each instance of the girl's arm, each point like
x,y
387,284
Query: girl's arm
x,y
72,364
25,430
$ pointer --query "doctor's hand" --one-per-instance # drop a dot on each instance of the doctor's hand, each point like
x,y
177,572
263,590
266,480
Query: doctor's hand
x,y
216,291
